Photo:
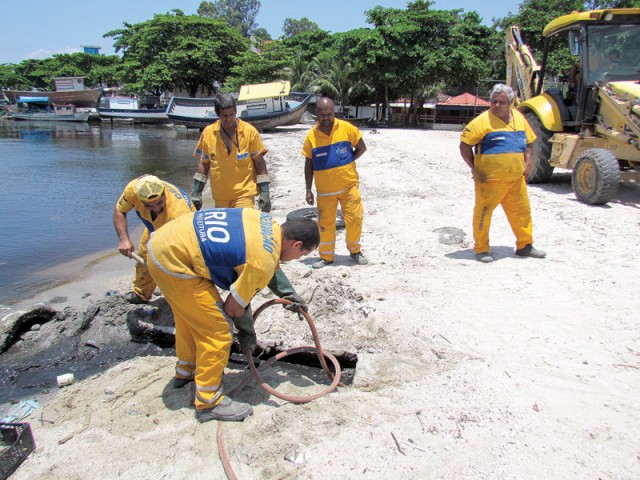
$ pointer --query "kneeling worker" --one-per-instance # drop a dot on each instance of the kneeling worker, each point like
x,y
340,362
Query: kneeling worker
x,y
156,202
236,249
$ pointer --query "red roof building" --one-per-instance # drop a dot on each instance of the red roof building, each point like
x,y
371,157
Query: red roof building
x,y
466,99
460,109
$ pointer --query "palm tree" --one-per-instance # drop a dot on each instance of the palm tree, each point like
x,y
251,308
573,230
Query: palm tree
x,y
299,74
334,78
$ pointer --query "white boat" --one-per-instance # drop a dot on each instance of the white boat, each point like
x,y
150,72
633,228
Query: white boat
x,y
128,109
60,113
265,106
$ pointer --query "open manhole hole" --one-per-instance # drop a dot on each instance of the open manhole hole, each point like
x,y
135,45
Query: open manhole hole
x,y
347,360
145,328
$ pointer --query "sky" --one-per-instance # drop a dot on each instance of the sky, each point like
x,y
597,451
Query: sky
x,y
41,28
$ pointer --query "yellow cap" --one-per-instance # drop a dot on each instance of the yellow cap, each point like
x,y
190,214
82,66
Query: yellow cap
x,y
149,188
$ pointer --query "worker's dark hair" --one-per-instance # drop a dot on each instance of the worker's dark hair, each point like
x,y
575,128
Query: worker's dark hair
x,y
304,230
222,101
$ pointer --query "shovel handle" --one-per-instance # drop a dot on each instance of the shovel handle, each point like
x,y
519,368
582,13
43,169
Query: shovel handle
x,y
138,258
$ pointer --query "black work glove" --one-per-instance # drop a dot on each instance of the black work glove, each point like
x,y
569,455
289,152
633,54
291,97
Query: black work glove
x,y
246,332
281,286
298,303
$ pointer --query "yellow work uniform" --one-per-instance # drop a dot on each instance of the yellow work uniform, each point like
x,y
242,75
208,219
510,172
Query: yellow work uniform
x,y
177,203
235,249
232,174
498,172
336,177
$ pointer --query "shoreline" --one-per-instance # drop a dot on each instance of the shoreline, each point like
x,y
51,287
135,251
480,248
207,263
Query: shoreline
x,y
82,280
91,276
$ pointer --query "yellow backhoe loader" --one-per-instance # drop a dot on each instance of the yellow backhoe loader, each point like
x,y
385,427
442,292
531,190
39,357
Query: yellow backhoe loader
x,y
591,123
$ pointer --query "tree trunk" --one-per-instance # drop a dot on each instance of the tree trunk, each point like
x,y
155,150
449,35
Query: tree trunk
x,y
386,102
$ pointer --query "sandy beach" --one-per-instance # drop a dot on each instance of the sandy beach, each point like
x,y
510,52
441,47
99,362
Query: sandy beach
x,y
518,369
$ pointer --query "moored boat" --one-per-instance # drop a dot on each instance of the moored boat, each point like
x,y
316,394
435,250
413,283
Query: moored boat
x,y
128,109
69,90
265,106
60,113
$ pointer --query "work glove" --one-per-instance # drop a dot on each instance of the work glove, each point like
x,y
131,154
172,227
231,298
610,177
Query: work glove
x,y
246,332
196,199
281,286
198,187
264,202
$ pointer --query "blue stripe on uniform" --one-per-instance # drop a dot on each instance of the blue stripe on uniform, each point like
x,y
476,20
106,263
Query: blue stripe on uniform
x,y
503,142
332,156
185,196
221,237
147,223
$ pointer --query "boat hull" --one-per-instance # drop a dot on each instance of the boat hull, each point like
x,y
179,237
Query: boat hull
x,y
179,114
80,98
54,117
155,115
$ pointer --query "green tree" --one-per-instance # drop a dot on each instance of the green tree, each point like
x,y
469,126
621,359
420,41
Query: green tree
x,y
10,79
240,14
261,35
265,65
299,72
309,44
292,27
97,69
466,61
415,46
176,50
335,78
602,4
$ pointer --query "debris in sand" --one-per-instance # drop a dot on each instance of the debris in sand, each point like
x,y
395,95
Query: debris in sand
x,y
398,444
298,456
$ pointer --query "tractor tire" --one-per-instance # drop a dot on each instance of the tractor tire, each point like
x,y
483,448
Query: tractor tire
x,y
312,212
596,176
541,171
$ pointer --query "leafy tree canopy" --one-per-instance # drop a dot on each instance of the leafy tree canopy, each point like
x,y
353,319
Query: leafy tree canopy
x,y
261,35
240,14
294,27
97,69
267,65
309,44
188,51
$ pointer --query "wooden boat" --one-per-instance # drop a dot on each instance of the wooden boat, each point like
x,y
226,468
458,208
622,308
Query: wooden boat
x,y
60,113
128,109
265,106
68,90
81,98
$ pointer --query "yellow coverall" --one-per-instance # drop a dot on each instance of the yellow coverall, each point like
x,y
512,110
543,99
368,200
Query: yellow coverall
x,y
498,173
336,178
232,175
234,249
177,204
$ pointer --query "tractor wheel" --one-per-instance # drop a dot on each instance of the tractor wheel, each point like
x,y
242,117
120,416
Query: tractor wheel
x,y
540,170
596,176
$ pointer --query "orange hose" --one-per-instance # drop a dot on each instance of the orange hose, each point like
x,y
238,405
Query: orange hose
x,y
335,377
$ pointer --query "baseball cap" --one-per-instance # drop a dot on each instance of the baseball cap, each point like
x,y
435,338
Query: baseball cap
x,y
149,188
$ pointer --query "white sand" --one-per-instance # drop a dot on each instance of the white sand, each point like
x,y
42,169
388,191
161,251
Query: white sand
x,y
519,369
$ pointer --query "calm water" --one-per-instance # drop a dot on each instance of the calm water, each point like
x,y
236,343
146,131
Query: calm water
x,y
60,182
